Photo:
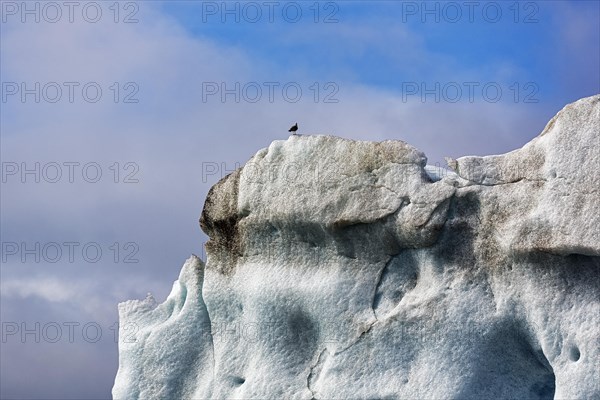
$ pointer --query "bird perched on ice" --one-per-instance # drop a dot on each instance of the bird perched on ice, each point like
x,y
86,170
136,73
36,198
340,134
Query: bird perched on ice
x,y
293,129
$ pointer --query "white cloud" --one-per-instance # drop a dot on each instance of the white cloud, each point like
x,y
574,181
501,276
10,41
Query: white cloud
x,y
47,289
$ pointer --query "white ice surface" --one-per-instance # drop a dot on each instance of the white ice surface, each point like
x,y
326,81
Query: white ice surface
x,y
367,274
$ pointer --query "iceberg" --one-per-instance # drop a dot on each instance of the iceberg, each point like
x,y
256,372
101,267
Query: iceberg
x,y
349,269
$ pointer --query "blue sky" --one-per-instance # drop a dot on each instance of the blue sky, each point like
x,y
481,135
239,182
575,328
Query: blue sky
x,y
175,135
375,43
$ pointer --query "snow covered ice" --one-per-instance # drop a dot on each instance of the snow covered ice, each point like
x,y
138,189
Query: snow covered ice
x,y
345,269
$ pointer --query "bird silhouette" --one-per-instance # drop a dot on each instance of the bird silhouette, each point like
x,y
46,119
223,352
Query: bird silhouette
x,y
293,129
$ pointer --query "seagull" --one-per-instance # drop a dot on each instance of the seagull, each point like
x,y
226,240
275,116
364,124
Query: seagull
x,y
293,129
